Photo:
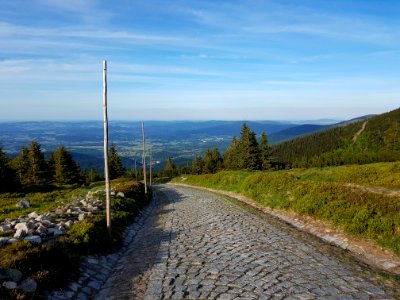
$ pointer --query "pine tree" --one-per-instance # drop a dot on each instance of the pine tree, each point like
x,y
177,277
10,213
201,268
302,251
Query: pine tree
x,y
231,156
115,167
8,177
170,168
197,165
63,168
37,172
248,152
265,152
212,161
21,164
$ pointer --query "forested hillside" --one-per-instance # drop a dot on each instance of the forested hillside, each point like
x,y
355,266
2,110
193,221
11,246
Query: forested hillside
x,y
373,140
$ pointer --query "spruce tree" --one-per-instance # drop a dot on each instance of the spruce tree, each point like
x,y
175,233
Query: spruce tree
x,y
197,165
248,152
265,152
21,164
115,167
38,172
170,168
231,156
8,177
63,168
212,161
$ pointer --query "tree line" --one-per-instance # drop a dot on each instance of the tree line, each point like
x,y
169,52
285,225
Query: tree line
x,y
30,167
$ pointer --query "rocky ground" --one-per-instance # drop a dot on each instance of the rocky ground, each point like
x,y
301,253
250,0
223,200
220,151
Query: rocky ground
x,y
192,244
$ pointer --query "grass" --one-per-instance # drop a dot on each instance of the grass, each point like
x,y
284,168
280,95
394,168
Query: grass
x,y
324,193
52,264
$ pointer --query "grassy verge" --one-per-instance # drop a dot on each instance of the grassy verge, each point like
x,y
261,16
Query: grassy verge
x,y
51,264
324,194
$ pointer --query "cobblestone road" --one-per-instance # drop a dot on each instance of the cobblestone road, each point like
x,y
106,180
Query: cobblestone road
x,y
198,245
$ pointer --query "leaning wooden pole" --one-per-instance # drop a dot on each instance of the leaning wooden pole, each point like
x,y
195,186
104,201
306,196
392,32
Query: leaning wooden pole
x,y
144,160
107,179
151,163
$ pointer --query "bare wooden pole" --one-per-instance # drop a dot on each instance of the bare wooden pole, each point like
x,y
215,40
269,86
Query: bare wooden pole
x,y
151,162
144,160
107,179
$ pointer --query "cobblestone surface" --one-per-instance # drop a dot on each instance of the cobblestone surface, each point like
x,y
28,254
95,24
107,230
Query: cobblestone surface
x,y
198,245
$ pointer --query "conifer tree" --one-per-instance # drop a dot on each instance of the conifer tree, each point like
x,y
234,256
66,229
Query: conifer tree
x,y
21,164
37,165
212,161
265,152
63,168
197,165
231,156
115,166
170,168
248,152
8,178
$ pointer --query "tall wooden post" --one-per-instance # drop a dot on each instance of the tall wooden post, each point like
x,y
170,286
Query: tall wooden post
x,y
151,162
107,179
144,160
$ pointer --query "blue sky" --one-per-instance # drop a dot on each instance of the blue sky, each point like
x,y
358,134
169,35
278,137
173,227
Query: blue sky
x,y
208,59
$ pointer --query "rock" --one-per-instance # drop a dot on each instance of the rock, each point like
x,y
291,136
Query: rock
x,y
24,203
58,230
33,215
9,285
28,285
121,194
83,202
68,224
4,241
81,217
41,230
10,274
60,211
34,239
21,230
42,218
4,228
112,193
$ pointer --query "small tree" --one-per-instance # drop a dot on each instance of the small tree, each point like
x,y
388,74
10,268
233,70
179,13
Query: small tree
x,y
197,165
248,152
265,152
115,166
63,168
170,168
212,161
8,178
231,156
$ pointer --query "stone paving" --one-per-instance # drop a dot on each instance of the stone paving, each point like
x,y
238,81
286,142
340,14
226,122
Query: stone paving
x,y
198,245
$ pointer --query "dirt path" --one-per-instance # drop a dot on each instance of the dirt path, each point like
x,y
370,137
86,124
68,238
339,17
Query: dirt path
x,y
360,131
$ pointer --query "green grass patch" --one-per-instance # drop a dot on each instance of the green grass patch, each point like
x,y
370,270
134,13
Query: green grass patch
x,y
322,193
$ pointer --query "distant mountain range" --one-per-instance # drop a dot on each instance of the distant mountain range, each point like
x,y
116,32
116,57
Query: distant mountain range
x,y
180,140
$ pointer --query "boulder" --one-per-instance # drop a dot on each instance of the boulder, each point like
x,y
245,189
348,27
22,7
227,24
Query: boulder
x,y
41,230
5,227
21,230
41,218
9,285
24,203
4,241
81,217
121,195
68,223
34,239
33,215
10,274
28,285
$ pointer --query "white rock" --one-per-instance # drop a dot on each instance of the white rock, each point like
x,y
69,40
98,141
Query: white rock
x,y
81,217
121,194
9,284
34,239
21,230
68,223
33,215
83,202
42,218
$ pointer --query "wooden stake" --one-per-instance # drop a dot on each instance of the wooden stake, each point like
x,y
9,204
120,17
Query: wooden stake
x,y
144,160
106,177
151,161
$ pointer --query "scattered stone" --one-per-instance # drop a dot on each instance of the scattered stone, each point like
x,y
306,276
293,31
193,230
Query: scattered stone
x,y
42,218
81,217
121,194
21,230
4,241
9,285
28,285
4,228
33,215
41,230
10,274
69,223
34,239
24,203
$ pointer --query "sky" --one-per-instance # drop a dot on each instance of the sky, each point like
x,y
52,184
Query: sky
x,y
199,59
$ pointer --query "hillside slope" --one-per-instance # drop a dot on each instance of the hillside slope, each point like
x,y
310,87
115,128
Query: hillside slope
x,y
372,140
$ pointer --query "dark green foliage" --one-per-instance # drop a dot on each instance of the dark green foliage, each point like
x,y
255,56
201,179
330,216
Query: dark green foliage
x,y
231,156
265,152
197,165
379,141
8,178
248,155
212,161
170,168
62,167
115,167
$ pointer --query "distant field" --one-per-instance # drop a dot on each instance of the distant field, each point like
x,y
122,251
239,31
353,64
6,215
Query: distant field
x,y
362,200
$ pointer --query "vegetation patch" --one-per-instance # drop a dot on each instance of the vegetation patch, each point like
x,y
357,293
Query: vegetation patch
x,y
324,193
